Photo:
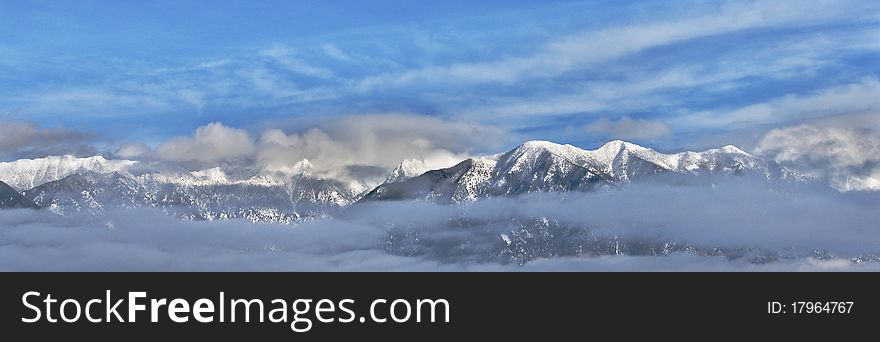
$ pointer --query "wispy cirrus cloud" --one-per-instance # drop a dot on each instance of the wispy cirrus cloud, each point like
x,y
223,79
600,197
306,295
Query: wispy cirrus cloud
x,y
658,87
579,50
541,71
284,56
850,98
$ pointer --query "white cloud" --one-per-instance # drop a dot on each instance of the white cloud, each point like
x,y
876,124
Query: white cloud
x,y
650,90
629,128
845,152
332,145
582,49
132,151
211,143
382,140
844,99
285,57
334,52
93,101
731,216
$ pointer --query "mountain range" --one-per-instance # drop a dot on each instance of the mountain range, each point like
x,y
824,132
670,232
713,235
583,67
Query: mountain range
x,y
542,166
260,198
68,185
26,174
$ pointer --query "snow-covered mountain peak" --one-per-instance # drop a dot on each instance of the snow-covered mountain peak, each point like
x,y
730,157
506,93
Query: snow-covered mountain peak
x,y
610,150
531,144
730,149
541,166
407,169
25,174
302,167
605,154
543,145
617,145
533,149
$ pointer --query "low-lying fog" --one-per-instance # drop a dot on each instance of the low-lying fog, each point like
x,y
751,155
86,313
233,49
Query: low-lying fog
x,y
730,226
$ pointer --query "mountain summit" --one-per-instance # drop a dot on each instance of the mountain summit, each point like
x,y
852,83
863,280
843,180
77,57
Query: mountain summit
x,y
543,166
407,169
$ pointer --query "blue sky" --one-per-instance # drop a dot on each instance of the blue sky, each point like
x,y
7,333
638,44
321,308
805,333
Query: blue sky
x,y
664,73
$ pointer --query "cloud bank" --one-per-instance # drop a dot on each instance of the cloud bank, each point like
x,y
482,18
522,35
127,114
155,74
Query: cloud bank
x,y
332,146
740,226
578,50
846,151
28,140
379,140
211,143
847,99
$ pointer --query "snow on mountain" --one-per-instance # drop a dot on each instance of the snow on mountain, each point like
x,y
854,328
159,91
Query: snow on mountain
x,y
219,176
201,195
301,167
407,169
857,183
11,198
541,166
623,160
212,175
68,185
26,174
534,166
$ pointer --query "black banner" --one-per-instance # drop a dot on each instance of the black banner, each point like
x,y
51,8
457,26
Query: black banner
x,y
497,305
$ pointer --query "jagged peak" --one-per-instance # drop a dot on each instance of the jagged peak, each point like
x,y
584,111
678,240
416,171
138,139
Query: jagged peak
x,y
301,167
410,163
407,168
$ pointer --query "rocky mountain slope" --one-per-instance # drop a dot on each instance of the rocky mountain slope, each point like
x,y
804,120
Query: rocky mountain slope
x,y
11,198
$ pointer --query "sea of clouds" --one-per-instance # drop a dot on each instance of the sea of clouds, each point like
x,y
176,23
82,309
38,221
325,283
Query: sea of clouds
x,y
737,225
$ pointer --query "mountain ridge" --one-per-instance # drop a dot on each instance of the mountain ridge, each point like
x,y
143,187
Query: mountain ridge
x,y
543,166
295,193
24,174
